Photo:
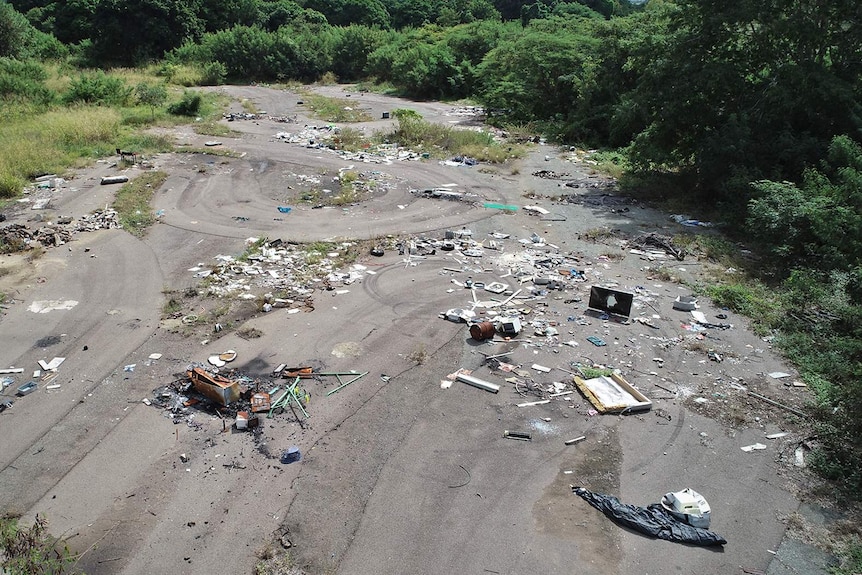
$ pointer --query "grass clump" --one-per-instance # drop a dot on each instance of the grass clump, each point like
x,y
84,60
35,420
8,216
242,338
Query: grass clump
x,y
439,139
188,105
213,128
133,202
337,110
351,139
418,355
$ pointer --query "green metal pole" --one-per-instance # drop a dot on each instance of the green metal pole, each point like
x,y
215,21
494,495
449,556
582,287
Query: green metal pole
x,y
346,383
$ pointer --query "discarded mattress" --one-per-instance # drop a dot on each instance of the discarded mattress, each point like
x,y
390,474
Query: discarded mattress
x,y
613,394
654,520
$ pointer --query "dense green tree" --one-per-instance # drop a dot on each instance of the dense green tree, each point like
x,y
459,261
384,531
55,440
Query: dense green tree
x,y
351,47
278,13
19,39
224,14
14,29
133,31
819,223
346,12
479,10
73,20
412,13
24,6
428,71
749,90
540,75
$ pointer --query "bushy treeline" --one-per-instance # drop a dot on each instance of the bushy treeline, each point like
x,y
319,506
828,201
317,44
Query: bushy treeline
x,y
134,31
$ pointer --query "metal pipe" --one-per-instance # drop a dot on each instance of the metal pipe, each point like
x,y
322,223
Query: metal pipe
x,y
531,403
346,383
476,382
776,404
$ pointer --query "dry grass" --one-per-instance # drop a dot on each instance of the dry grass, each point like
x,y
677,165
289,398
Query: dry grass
x,y
419,355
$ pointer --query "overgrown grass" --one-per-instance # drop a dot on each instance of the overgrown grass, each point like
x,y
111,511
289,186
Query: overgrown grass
x,y
338,110
50,142
352,140
133,202
35,140
441,140
26,550
851,559
611,162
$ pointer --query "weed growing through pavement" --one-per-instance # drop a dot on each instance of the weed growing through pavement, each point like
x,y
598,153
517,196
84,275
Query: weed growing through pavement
x,y
249,332
597,234
419,355
132,202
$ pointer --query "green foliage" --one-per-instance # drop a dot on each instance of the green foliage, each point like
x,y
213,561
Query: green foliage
x,y
851,559
132,202
31,550
188,105
214,74
414,132
542,74
98,88
152,95
71,21
19,39
749,90
351,47
136,31
223,14
24,82
252,53
346,12
819,224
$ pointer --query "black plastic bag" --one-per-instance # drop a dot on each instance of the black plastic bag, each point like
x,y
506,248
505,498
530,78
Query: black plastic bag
x,y
654,520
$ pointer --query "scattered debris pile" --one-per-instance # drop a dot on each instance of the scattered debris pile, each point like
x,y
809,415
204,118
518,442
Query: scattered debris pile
x,y
282,274
326,138
446,194
230,117
20,237
648,242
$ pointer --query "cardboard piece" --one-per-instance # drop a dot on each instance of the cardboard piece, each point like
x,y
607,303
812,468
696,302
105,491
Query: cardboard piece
x,y
613,394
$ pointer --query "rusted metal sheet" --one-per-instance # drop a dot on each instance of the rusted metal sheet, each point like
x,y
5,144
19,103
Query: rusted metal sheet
x,y
215,387
260,402
303,372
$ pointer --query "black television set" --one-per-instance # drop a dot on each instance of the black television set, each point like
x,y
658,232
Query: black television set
x,y
611,301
